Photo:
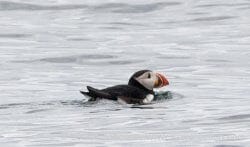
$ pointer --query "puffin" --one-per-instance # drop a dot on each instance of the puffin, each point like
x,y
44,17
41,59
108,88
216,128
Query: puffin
x,y
139,90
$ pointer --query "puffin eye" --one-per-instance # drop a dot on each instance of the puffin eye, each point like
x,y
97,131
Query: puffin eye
x,y
149,76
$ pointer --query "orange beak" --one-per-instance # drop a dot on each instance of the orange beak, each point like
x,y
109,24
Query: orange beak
x,y
161,81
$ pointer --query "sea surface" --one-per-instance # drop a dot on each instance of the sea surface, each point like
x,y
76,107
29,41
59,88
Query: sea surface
x,y
51,49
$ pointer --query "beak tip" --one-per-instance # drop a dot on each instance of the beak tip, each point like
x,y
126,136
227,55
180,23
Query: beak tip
x,y
163,79
167,82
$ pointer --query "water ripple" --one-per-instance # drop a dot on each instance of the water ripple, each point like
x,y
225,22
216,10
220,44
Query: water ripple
x,y
113,7
7,6
77,59
213,18
228,145
139,8
125,62
222,5
236,117
37,110
14,35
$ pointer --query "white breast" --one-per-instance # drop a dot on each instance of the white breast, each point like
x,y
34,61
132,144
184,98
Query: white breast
x,y
148,99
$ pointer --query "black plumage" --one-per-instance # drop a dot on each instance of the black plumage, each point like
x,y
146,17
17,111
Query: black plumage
x,y
133,92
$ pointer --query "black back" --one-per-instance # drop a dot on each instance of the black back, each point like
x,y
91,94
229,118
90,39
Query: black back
x,y
126,91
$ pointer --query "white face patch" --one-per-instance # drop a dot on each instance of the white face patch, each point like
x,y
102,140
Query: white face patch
x,y
149,98
147,80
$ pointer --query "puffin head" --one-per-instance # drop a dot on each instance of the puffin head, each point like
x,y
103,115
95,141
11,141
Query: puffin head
x,y
148,79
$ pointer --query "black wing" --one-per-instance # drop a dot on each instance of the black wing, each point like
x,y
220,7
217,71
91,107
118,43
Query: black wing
x,y
125,91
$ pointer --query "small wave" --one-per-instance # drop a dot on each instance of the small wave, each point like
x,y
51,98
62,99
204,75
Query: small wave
x,y
213,18
125,62
14,35
228,146
113,7
236,117
142,8
71,59
8,6
221,5
36,111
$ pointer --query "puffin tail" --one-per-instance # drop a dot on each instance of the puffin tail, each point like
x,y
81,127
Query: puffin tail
x,y
84,93
95,93
88,95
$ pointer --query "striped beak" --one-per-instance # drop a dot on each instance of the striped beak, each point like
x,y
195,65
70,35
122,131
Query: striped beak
x,y
160,81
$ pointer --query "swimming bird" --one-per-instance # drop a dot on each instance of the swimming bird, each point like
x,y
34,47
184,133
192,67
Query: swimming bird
x,y
139,89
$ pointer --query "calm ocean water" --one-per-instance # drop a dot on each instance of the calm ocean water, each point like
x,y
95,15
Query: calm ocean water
x,y
51,49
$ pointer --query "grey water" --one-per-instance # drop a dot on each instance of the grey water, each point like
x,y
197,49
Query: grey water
x,y
51,49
